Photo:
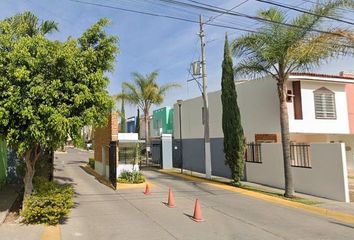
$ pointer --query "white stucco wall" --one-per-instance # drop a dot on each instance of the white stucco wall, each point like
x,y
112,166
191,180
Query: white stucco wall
x,y
258,103
309,123
326,178
259,106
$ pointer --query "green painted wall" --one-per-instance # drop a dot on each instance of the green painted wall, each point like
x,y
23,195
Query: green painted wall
x,y
163,118
3,161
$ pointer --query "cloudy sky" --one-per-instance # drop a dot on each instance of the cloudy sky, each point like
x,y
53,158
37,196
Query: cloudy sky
x,y
150,43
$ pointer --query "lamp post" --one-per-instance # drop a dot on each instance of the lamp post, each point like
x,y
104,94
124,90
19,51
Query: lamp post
x,y
179,102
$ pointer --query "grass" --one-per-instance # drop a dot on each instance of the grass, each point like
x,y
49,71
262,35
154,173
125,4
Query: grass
x,y
279,195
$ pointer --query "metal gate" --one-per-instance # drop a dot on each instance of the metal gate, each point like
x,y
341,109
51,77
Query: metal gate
x,y
156,153
113,164
176,153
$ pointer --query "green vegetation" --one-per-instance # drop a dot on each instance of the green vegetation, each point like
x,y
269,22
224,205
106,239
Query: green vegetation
x,y
277,50
51,89
123,122
49,202
3,162
234,140
131,177
274,194
144,93
91,163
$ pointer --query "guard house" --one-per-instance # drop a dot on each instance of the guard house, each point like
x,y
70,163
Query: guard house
x,y
115,150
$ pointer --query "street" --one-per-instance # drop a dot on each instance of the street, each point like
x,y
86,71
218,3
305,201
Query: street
x,y
101,213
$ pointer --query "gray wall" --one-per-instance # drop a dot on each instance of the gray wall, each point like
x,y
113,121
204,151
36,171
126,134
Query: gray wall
x,y
193,156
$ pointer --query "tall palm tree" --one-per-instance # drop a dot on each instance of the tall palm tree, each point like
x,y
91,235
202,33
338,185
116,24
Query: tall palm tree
x,y
278,49
28,24
145,92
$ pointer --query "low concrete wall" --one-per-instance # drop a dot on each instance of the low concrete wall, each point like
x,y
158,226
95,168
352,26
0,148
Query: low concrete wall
x,y
193,156
326,178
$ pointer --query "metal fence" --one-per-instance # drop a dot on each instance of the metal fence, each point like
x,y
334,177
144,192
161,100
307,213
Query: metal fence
x,y
300,155
127,155
254,153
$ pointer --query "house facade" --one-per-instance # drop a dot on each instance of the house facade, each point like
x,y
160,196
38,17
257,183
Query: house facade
x,y
320,109
162,121
320,112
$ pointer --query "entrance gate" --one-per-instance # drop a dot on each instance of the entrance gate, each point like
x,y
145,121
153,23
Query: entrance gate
x,y
113,163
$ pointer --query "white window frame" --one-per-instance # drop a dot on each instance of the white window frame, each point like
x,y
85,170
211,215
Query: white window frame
x,y
325,104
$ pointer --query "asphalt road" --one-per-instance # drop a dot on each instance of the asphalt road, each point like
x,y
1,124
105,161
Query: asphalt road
x,y
101,213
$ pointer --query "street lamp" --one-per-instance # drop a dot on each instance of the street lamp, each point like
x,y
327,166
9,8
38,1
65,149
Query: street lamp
x,y
179,102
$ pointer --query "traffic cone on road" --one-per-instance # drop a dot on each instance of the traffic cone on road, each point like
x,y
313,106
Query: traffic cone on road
x,y
171,199
147,189
197,216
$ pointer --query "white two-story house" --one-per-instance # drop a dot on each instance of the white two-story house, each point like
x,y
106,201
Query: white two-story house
x,y
321,109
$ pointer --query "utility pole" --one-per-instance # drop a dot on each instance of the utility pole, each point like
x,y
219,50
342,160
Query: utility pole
x,y
207,154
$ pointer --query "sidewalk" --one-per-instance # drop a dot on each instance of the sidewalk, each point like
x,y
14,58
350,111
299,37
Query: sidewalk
x,y
8,196
347,208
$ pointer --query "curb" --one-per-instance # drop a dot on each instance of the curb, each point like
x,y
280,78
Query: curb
x,y
100,178
344,217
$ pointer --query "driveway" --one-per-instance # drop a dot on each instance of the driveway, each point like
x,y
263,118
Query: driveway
x,y
101,213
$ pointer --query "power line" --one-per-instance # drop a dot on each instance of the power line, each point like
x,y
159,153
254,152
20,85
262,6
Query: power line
x,y
181,19
159,15
233,8
303,11
319,3
212,8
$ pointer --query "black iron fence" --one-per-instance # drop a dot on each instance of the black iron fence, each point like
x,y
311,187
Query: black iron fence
x,y
128,155
300,155
254,153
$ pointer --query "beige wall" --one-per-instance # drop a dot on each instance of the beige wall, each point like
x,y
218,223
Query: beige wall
x,y
326,178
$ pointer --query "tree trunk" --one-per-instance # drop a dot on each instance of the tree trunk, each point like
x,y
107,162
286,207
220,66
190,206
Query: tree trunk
x,y
30,158
285,138
146,117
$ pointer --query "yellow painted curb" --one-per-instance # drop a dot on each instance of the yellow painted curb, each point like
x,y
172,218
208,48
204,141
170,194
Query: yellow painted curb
x,y
51,233
123,186
99,177
312,209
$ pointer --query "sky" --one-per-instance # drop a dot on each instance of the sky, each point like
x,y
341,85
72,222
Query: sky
x,y
150,43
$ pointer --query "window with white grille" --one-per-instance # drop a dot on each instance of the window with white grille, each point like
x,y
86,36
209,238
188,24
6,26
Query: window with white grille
x,y
325,105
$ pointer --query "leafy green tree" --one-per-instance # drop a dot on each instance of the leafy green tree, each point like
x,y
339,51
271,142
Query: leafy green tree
x,y
145,92
123,123
51,89
234,140
277,50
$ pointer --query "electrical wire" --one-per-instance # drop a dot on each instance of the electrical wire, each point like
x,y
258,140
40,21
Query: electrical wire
x,y
159,15
303,11
212,8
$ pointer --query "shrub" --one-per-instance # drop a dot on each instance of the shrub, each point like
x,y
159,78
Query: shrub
x,y
49,203
131,177
91,163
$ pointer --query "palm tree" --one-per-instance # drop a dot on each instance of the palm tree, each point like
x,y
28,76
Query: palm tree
x,y
145,92
277,49
28,24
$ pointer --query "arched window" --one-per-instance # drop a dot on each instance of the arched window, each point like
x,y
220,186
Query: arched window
x,y
325,104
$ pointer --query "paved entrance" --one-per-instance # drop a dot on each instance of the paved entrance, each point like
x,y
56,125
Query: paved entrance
x,y
101,213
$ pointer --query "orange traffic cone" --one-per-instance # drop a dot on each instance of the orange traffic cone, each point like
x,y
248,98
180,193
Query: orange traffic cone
x,y
147,189
197,216
171,199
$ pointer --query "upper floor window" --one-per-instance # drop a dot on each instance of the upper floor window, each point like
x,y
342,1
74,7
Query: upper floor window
x,y
325,105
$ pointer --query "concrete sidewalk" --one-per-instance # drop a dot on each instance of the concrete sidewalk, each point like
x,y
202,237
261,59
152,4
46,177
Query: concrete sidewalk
x,y
8,196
